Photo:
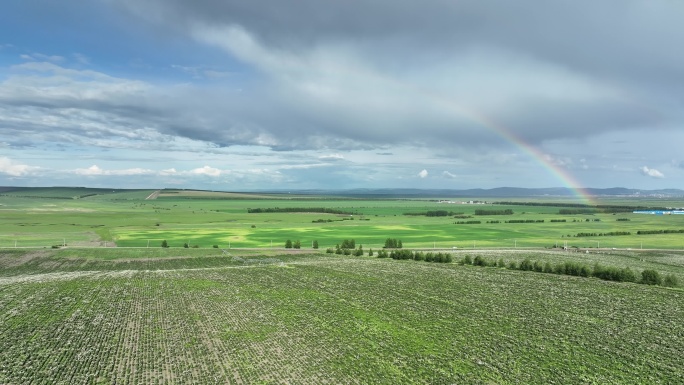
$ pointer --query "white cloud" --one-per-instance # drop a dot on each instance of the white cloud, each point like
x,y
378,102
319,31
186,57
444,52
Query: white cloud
x,y
206,170
652,172
95,170
331,157
423,174
9,167
39,56
447,174
92,170
558,161
169,171
583,164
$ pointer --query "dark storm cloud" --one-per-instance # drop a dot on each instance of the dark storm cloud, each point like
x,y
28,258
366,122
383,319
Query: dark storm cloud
x,y
609,37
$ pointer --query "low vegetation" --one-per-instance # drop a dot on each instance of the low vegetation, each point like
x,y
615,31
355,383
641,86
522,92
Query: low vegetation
x,y
202,316
106,287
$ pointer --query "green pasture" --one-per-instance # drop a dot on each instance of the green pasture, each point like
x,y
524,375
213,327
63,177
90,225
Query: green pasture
x,y
102,217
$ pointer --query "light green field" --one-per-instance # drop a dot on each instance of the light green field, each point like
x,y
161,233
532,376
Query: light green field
x,y
81,217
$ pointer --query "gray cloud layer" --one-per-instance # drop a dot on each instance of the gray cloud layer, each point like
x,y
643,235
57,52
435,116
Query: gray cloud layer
x,y
595,86
374,72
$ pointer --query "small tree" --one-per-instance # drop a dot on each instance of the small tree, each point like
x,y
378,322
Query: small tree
x,y
164,243
526,265
370,252
314,244
548,268
288,244
186,245
651,277
297,244
537,266
670,281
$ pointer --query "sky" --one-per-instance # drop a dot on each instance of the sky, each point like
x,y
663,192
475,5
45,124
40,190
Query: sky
x,y
237,95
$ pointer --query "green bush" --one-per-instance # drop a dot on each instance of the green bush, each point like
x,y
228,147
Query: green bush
x,y
670,281
651,277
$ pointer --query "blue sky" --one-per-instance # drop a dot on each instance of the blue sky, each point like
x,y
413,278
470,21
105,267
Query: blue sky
x,y
266,94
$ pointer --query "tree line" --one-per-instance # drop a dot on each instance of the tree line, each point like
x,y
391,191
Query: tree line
x,y
493,212
607,273
601,208
645,232
435,213
298,210
416,256
608,234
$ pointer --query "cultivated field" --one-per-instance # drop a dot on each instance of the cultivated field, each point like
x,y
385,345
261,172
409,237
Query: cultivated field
x,y
301,318
84,300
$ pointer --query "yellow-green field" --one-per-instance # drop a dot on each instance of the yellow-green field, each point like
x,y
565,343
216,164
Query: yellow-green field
x,y
126,219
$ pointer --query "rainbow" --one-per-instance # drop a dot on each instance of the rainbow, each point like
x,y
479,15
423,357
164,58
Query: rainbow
x,y
561,174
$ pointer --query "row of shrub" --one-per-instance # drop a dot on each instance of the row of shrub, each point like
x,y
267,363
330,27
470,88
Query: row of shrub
x,y
298,210
582,208
344,251
493,212
608,234
524,221
435,213
645,232
608,273
416,256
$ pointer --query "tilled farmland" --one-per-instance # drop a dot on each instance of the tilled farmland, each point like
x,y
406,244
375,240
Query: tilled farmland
x,y
336,320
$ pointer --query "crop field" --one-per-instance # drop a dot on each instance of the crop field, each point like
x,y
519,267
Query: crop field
x,y
125,218
164,316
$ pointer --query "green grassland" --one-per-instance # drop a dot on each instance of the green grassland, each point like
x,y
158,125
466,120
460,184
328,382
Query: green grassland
x,y
99,217
202,317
